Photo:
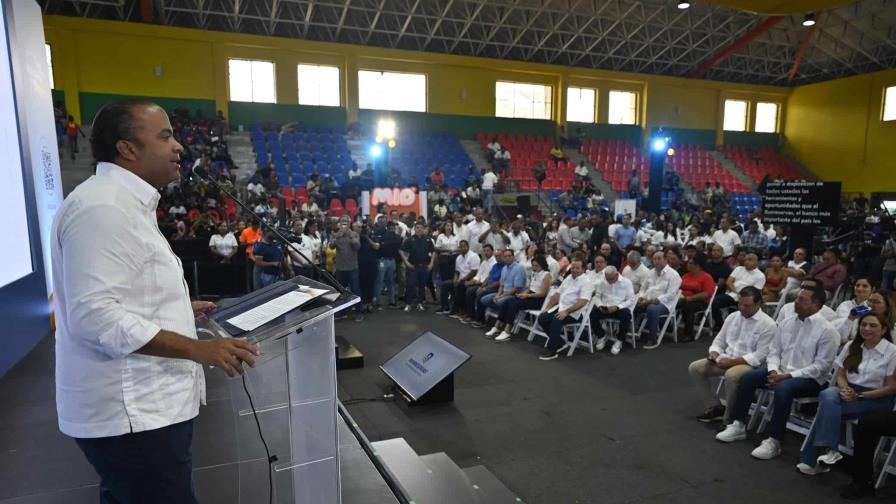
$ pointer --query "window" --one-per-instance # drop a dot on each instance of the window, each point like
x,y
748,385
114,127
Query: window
x,y
391,91
580,105
50,65
318,85
623,107
890,104
523,101
252,81
766,117
735,115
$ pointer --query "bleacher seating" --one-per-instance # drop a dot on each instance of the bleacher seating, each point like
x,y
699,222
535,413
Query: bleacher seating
x,y
295,156
418,154
525,152
615,160
697,166
759,162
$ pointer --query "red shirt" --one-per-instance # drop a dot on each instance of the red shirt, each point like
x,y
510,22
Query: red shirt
x,y
695,283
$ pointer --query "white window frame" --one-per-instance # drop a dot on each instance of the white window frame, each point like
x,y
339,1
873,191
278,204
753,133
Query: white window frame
x,y
253,99
320,86
725,122
579,90
888,107
520,108
615,118
364,98
759,105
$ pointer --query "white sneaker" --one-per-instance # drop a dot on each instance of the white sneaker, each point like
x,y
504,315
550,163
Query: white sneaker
x,y
601,343
736,431
616,348
504,336
491,332
831,457
812,470
767,450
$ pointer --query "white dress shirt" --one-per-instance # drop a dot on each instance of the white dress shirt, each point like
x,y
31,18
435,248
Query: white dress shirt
x,y
749,338
788,310
619,293
804,348
572,290
465,263
489,180
112,297
727,240
794,282
746,278
877,364
518,243
474,231
485,268
663,287
223,245
310,246
445,243
636,276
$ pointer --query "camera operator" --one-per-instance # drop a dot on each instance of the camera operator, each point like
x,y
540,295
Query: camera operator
x,y
386,242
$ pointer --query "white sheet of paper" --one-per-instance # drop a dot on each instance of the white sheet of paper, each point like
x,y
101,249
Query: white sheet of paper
x,y
267,312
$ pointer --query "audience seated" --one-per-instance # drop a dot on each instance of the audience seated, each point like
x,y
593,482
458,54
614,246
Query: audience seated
x,y
530,298
614,299
847,315
565,307
742,276
697,288
657,297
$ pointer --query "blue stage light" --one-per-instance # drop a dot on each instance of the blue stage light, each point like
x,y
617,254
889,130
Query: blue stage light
x,y
376,151
659,144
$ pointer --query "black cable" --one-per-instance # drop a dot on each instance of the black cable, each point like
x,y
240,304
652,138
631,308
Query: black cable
x,y
384,398
271,459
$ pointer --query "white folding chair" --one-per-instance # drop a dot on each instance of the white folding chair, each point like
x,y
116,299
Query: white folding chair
x,y
612,329
889,464
707,316
528,319
671,317
775,307
579,328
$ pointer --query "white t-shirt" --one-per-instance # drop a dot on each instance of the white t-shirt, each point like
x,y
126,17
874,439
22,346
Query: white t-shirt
x,y
745,278
877,364
474,231
310,246
489,180
223,245
445,243
727,240
581,170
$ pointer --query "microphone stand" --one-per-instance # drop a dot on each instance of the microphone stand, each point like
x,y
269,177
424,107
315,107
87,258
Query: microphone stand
x,y
200,173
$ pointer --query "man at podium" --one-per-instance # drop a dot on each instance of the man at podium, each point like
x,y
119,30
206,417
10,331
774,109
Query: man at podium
x,y
129,376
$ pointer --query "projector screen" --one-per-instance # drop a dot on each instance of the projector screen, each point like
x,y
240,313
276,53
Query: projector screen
x,y
15,253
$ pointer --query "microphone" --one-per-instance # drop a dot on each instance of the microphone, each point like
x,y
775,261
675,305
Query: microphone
x,y
202,174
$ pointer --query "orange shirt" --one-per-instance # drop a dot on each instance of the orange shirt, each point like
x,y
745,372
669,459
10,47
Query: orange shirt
x,y
250,236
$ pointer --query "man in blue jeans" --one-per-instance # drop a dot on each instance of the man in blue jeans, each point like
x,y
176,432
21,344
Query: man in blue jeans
x,y
565,307
386,242
418,254
347,242
798,365
657,297
268,256
513,280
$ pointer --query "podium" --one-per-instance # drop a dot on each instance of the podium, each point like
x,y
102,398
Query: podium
x,y
293,389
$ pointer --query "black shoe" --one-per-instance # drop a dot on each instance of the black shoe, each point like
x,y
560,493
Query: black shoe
x,y
712,414
857,490
685,338
549,355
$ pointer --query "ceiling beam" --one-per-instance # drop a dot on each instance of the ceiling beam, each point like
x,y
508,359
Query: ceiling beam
x,y
407,21
731,49
804,45
466,27
435,27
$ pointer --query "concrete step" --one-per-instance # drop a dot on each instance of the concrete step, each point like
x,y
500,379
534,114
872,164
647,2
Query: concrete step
x,y
596,176
488,484
734,170
474,151
361,482
405,466
453,484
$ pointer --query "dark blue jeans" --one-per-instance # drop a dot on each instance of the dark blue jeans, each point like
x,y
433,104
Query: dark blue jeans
x,y
146,467
785,392
352,281
553,326
415,292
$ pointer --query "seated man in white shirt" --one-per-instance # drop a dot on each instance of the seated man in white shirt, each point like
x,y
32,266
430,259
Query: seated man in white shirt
x,y
565,307
740,346
726,237
798,365
747,275
788,310
596,275
466,265
615,300
634,270
657,297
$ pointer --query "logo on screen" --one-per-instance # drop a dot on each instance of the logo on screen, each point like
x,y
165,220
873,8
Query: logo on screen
x,y
427,357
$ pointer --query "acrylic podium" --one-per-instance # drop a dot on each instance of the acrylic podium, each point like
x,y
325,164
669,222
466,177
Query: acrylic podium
x,y
293,388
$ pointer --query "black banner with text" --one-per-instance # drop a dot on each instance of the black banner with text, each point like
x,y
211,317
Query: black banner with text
x,y
802,203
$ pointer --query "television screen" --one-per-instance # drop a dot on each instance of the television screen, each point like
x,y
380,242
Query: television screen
x,y
421,365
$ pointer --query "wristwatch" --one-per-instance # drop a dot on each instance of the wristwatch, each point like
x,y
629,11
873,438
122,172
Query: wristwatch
x,y
860,396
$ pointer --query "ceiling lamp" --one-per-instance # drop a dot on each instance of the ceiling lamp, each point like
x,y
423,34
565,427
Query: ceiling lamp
x,y
809,19
684,5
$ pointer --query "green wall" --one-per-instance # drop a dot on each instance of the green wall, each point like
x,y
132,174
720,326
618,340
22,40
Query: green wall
x,y
91,103
463,126
246,113
702,137
751,139
58,96
627,132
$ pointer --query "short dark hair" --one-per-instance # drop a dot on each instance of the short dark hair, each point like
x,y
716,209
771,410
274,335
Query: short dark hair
x,y
699,260
753,292
488,245
463,242
818,294
113,122
541,262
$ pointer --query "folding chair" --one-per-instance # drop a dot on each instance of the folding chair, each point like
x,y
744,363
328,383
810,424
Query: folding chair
x,y
889,465
707,316
579,328
671,317
529,319
612,329
776,306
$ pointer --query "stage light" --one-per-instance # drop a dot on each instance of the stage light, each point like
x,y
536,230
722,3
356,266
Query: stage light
x,y
670,152
659,144
376,151
809,19
391,143
379,139
684,5
385,128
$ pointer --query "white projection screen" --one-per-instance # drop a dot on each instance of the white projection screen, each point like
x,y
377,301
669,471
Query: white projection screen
x,y
15,254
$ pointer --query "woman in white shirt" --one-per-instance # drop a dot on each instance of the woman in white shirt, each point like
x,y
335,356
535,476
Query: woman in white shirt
x,y
447,244
526,259
310,206
531,299
667,237
223,244
308,244
847,323
865,382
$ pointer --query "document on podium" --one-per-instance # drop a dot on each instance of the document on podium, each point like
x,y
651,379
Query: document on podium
x,y
264,313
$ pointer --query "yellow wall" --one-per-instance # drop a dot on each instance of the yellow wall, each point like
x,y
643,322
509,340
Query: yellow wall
x,y
119,58
835,129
